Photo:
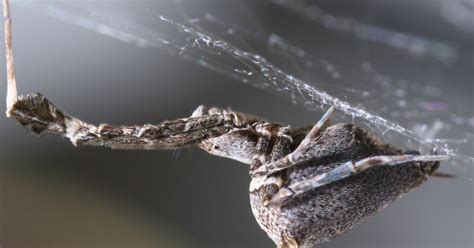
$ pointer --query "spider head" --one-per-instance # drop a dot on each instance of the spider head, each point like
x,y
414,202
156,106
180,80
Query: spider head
x,y
239,145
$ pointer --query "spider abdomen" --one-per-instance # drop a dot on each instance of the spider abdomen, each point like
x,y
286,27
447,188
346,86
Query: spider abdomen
x,y
324,212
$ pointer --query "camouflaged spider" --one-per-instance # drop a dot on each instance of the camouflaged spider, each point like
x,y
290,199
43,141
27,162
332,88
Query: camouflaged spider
x,y
308,184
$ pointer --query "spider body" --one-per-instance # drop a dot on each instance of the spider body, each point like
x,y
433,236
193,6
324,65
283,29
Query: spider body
x,y
322,213
319,213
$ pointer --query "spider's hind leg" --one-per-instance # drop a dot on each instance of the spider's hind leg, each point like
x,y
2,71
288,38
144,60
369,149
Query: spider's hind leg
x,y
348,169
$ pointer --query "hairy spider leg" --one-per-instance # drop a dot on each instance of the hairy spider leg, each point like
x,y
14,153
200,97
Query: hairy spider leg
x,y
38,114
287,242
263,145
298,154
282,143
267,152
346,170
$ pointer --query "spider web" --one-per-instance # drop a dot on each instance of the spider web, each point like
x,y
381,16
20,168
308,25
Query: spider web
x,y
415,110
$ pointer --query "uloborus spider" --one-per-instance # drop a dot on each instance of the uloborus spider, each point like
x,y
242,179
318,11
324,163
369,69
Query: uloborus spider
x,y
308,184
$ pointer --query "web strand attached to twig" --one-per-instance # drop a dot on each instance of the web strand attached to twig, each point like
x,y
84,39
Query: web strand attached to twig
x,y
12,94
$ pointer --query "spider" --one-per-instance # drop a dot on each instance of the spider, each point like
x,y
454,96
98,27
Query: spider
x,y
308,184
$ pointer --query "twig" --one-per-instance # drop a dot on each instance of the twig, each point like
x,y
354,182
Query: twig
x,y
12,94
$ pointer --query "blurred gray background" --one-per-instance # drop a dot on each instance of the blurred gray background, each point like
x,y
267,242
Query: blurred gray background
x,y
53,194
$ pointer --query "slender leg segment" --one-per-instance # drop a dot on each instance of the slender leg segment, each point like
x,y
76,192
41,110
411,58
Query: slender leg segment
x,y
315,131
298,154
346,170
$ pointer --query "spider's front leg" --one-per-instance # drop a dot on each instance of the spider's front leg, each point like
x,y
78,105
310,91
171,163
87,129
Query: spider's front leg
x,y
38,114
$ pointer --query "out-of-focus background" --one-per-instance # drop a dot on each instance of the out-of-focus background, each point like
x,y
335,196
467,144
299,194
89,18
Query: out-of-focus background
x,y
408,62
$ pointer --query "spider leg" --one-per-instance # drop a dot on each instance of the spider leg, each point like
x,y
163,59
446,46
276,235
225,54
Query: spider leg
x,y
346,170
287,241
298,154
280,148
199,111
282,143
38,114
314,132
202,124
263,145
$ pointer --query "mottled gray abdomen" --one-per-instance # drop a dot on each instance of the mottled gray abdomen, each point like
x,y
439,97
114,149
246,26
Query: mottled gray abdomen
x,y
325,212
